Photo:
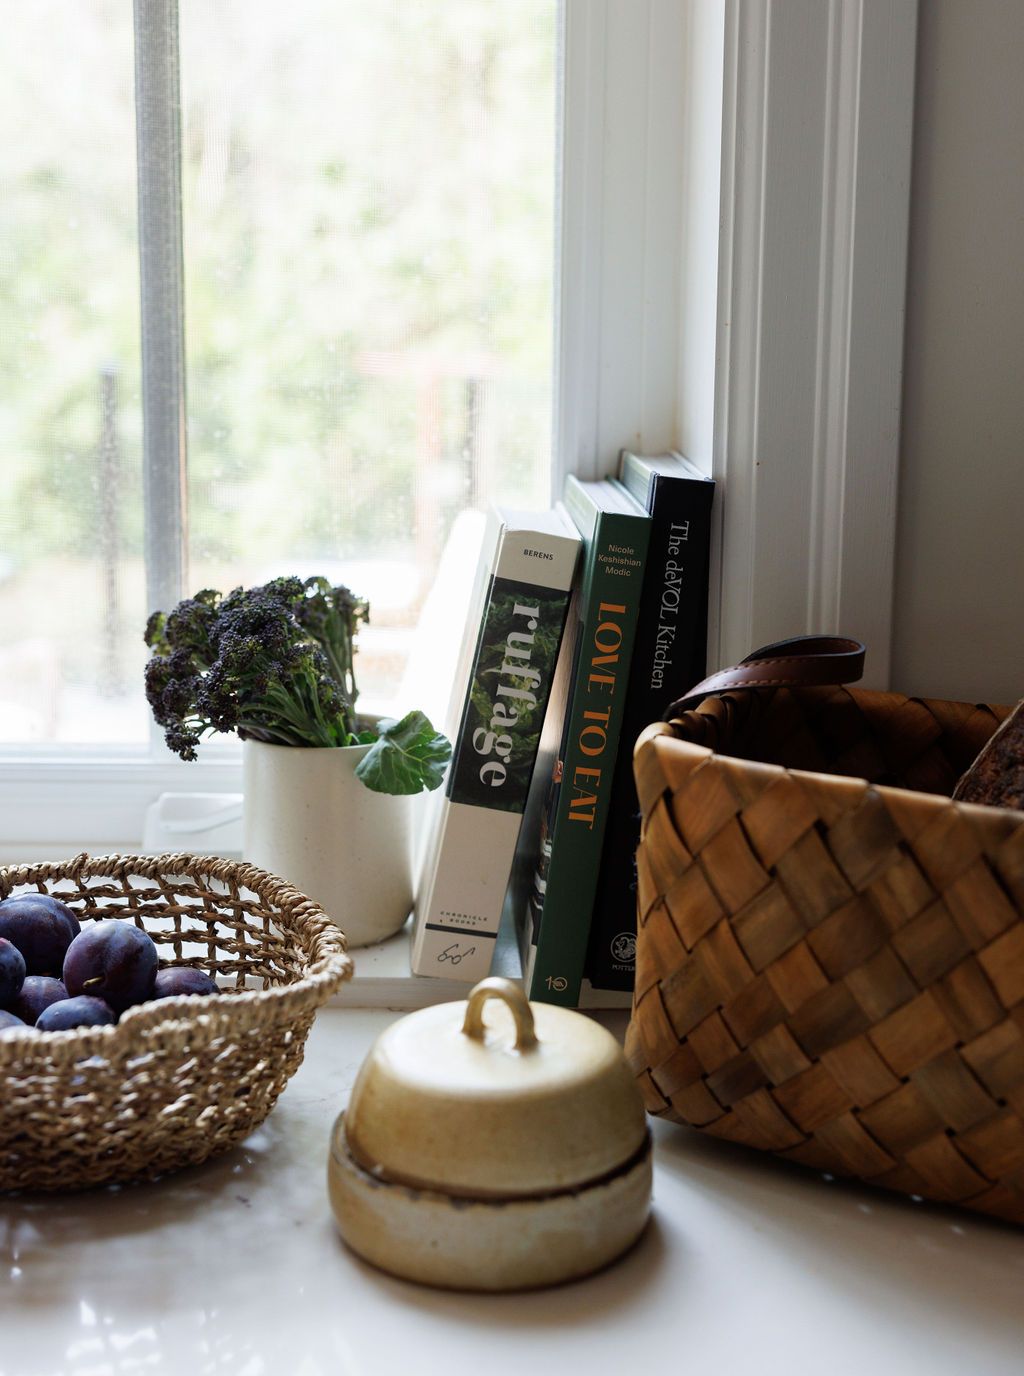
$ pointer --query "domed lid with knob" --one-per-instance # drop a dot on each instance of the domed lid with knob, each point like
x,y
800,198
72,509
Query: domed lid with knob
x,y
495,1097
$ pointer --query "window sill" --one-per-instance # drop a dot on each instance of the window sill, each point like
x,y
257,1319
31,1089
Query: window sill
x,y
59,806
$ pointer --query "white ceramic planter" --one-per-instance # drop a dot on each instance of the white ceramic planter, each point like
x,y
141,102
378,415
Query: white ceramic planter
x,y
310,820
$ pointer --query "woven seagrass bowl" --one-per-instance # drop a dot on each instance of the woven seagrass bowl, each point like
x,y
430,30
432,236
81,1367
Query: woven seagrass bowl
x,y
176,1080
830,958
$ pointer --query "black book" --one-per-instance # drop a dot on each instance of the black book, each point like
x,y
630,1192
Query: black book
x,y
669,657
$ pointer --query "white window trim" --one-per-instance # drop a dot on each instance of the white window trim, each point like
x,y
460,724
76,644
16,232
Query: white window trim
x,y
817,139
52,807
734,187
742,295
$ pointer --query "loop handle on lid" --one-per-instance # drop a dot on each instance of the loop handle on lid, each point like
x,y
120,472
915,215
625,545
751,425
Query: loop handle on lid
x,y
515,1001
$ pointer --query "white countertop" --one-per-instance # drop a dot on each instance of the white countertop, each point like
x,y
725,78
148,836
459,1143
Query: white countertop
x,y
749,1266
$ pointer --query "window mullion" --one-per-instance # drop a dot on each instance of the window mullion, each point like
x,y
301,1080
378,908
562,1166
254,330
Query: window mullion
x,y
158,130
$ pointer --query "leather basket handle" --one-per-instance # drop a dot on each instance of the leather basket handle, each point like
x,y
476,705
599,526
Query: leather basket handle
x,y
804,661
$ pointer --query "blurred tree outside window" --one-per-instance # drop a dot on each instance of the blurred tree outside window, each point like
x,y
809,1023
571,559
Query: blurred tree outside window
x,y
368,214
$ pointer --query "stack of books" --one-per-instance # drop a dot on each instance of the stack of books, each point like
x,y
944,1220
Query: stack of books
x,y
586,622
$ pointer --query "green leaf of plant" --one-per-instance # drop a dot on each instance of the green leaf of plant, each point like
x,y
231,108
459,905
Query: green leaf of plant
x,y
407,757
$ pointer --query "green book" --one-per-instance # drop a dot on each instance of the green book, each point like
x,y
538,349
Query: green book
x,y
557,869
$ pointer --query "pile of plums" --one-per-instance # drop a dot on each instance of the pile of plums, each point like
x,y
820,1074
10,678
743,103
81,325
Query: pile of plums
x,y
55,976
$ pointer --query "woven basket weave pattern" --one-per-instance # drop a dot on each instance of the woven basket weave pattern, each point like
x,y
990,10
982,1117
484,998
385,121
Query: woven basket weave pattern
x,y
177,1080
832,968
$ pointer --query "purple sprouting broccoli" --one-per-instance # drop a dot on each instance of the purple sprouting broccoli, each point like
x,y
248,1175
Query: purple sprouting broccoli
x,y
276,663
273,663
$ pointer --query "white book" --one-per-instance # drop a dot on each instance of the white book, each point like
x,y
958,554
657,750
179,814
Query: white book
x,y
525,579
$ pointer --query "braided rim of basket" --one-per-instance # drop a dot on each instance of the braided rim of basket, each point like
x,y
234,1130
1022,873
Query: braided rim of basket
x,y
330,964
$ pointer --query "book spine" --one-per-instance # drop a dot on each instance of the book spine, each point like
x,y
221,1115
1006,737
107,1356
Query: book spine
x,y
459,907
563,893
529,862
669,656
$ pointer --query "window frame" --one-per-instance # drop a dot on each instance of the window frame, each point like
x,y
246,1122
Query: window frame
x,y
161,299
729,229
817,142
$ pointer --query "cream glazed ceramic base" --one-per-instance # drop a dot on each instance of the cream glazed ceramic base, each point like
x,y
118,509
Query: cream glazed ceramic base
x,y
466,1244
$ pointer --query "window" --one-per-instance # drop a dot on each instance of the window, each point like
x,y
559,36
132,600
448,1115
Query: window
x,y
71,583
384,210
366,209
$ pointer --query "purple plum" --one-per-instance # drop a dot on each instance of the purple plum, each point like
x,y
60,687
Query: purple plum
x,y
37,993
41,927
111,960
83,1011
8,1022
12,971
174,980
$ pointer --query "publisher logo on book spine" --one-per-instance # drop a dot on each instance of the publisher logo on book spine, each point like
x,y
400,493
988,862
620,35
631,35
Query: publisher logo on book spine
x,y
623,948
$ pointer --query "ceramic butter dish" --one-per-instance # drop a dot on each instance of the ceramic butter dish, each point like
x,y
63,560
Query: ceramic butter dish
x,y
492,1144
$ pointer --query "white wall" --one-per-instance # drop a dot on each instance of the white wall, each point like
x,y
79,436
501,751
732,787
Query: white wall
x,y
959,628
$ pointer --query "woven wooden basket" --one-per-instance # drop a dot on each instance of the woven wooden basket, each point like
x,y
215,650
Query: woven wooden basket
x,y
832,968
177,1080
